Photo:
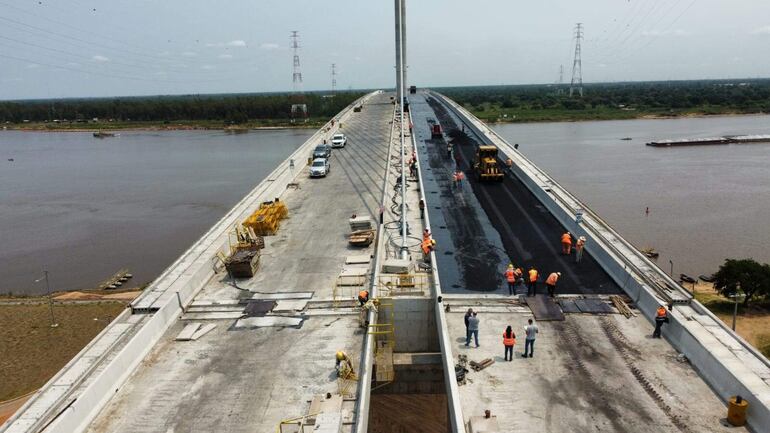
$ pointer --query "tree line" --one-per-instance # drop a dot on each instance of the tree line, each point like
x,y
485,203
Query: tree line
x,y
237,108
745,96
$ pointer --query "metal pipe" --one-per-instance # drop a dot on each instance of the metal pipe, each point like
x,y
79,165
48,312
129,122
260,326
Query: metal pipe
x,y
404,248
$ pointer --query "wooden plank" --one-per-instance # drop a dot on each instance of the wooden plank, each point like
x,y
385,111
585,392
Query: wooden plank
x,y
205,329
357,260
188,331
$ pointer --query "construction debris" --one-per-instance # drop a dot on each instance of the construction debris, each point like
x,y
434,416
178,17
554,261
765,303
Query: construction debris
x,y
478,366
266,220
621,306
361,238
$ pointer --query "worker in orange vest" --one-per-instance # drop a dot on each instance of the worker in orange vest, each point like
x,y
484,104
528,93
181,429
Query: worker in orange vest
x,y
426,235
581,243
427,246
532,284
509,340
363,297
510,277
550,283
661,317
566,243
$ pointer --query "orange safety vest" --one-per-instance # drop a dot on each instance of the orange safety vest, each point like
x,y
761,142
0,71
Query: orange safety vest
x,y
566,239
532,275
509,275
426,246
661,312
363,294
509,341
552,279
425,236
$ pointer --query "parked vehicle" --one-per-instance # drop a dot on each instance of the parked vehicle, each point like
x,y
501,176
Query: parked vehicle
x,y
322,151
339,140
319,167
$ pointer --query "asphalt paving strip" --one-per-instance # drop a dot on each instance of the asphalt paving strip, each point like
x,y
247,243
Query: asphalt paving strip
x,y
530,234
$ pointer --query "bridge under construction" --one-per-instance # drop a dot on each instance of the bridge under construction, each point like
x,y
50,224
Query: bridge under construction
x,y
203,349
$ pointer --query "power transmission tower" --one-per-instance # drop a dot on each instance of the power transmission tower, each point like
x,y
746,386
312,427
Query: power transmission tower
x,y
559,83
298,107
577,65
334,79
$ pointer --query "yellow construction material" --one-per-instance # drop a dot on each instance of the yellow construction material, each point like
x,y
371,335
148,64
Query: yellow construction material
x,y
403,284
266,220
385,339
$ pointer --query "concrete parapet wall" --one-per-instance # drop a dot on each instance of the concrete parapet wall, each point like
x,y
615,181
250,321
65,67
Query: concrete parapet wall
x,y
71,410
415,324
725,361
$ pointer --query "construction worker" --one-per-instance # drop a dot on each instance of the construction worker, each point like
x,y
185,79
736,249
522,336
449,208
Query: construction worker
x,y
566,243
532,283
550,283
363,297
427,246
581,243
661,317
422,209
343,364
426,235
370,305
510,277
460,177
449,150
509,340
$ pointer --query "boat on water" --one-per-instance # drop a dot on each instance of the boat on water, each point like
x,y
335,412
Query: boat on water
x,y
626,139
707,278
727,139
102,134
686,278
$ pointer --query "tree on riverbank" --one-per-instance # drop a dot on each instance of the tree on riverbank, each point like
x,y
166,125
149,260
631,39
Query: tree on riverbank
x,y
746,275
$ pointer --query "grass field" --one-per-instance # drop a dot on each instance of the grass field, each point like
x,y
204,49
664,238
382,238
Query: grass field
x,y
33,351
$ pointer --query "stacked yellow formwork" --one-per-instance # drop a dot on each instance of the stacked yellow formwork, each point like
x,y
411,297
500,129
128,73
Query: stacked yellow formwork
x,y
266,220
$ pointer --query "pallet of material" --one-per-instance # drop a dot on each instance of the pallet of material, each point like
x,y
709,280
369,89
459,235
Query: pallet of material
x,y
361,238
360,223
243,263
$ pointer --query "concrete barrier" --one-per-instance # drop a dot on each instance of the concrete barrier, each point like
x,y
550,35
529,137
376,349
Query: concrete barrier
x,y
724,360
71,410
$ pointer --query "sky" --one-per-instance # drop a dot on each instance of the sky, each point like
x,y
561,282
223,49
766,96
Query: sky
x,y
88,48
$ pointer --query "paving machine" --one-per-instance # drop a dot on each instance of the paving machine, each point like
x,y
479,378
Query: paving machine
x,y
486,164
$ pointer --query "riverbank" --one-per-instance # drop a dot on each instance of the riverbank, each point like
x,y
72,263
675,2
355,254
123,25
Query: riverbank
x,y
496,114
753,323
162,126
33,351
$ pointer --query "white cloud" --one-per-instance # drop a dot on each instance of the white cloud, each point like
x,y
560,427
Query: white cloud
x,y
234,43
100,59
225,56
269,46
761,31
189,54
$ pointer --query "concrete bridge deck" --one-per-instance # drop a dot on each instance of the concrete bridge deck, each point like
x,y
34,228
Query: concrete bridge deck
x,y
591,372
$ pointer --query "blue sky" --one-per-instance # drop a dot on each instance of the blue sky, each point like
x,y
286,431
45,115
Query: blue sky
x,y
70,48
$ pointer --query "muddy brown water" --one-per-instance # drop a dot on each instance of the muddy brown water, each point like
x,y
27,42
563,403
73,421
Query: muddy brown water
x,y
83,207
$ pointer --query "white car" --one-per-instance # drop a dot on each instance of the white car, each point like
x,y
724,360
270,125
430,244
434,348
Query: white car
x,y
319,167
339,140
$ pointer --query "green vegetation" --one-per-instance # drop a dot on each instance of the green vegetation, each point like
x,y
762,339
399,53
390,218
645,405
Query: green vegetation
x,y
745,275
604,101
193,111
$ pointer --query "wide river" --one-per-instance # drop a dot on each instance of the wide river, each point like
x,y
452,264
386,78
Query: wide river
x,y
706,203
83,208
